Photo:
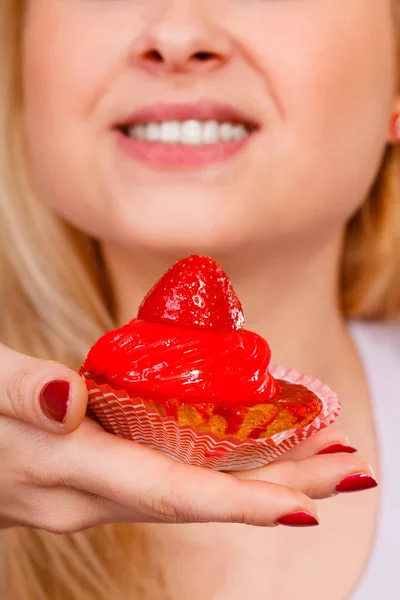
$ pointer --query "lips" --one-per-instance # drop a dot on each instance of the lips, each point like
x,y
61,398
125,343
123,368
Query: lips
x,y
185,135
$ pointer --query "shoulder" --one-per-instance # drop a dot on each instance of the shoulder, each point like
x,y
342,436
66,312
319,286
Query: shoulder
x,y
379,338
378,344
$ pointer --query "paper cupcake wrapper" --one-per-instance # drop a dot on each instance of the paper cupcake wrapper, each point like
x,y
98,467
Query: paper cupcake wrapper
x,y
130,418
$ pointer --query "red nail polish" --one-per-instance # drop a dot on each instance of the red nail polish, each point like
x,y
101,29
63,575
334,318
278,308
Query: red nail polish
x,y
356,483
298,519
336,448
54,400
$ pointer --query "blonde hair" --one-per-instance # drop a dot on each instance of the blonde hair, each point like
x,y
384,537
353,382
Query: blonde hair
x,y
54,304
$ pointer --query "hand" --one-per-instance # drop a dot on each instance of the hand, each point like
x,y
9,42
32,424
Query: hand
x,y
70,475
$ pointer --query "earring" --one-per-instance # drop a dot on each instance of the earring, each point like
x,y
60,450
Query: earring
x,y
395,127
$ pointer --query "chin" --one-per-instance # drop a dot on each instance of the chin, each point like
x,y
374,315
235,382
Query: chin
x,y
179,224
189,240
178,239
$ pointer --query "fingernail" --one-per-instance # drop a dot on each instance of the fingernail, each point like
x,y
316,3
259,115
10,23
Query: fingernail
x,y
298,519
335,448
356,483
54,400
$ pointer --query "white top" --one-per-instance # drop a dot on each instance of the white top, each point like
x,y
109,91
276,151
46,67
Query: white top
x,y
379,348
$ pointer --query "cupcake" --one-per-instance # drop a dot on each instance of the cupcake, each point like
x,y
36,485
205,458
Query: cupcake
x,y
185,377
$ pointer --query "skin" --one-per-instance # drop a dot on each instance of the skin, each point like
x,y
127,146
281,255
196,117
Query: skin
x,y
301,94
322,81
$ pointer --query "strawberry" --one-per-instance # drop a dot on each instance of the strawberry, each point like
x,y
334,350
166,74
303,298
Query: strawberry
x,y
194,293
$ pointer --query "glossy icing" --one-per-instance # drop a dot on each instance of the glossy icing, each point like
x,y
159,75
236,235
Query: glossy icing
x,y
163,362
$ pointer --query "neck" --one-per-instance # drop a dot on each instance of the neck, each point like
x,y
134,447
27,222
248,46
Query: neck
x,y
290,300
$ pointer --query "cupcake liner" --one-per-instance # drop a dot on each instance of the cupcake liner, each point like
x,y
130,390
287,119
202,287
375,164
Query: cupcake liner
x,y
130,418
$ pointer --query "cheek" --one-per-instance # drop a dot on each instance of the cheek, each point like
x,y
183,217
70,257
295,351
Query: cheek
x,y
59,94
333,80
54,76
341,86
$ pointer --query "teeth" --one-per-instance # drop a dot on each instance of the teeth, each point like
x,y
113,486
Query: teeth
x,y
191,133
152,132
139,132
170,132
210,132
240,132
226,132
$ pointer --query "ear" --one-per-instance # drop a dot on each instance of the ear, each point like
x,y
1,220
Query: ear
x,y
394,127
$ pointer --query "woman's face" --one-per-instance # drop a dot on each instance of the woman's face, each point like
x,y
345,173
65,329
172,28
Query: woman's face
x,y
308,87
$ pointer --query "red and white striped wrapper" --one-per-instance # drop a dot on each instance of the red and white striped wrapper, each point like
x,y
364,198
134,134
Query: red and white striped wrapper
x,y
130,418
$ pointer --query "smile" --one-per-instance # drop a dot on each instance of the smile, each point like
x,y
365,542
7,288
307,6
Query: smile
x,y
193,134
189,133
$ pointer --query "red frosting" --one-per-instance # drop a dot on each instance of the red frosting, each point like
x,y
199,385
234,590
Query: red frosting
x,y
163,362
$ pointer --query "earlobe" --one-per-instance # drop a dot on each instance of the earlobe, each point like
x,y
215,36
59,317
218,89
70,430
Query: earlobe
x,y
394,130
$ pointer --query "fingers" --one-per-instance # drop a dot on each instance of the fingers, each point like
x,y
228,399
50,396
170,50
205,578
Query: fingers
x,y
116,480
329,440
252,503
317,477
149,487
45,394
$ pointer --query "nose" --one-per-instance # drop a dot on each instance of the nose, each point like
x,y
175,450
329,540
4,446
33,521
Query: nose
x,y
183,37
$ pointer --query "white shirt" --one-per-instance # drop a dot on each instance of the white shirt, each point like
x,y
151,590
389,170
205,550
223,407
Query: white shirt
x,y
379,348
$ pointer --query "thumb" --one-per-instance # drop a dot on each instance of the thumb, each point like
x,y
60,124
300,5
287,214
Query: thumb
x,y
45,394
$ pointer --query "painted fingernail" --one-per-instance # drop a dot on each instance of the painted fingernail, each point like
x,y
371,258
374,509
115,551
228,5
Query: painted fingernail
x,y
54,400
298,519
356,483
336,448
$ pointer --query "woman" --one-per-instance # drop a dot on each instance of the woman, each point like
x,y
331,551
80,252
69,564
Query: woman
x,y
134,133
